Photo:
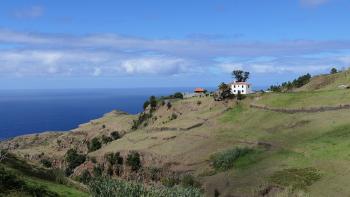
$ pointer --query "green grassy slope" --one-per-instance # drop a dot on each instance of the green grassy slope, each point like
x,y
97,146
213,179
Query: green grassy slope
x,y
307,152
36,177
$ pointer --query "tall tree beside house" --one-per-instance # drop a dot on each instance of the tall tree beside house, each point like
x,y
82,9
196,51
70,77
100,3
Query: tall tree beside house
x,y
240,75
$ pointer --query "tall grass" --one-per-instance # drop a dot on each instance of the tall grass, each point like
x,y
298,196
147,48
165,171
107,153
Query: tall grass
x,y
104,187
225,160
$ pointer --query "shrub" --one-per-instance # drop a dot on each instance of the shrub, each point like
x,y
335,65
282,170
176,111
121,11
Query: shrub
x,y
114,158
97,171
141,119
85,177
179,95
103,187
173,116
189,181
133,160
115,135
297,178
225,160
94,145
9,182
46,163
105,139
93,159
199,102
145,105
168,105
74,160
153,102
170,181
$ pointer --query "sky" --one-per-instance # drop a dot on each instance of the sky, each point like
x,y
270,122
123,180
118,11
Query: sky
x,y
158,43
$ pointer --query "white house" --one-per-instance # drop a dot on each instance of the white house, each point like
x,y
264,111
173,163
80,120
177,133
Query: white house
x,y
243,87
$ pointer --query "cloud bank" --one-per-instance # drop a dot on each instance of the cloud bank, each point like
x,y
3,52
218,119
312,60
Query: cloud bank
x,y
38,54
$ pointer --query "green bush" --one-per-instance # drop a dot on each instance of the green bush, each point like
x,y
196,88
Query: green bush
x,y
145,104
103,187
170,181
225,160
173,116
105,139
97,171
114,158
115,135
46,163
74,160
85,177
179,95
141,120
133,160
94,145
296,178
168,105
9,183
189,181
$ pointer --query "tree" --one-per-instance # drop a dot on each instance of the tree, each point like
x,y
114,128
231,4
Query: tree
x,y
133,160
153,102
240,75
168,105
145,105
74,160
224,92
115,135
179,95
94,145
334,70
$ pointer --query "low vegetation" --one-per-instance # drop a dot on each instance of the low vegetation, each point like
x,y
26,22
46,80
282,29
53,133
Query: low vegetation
x,y
133,160
296,178
226,160
103,187
73,160
18,178
289,85
94,144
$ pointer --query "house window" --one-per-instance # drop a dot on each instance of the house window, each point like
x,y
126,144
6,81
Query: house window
x,y
242,91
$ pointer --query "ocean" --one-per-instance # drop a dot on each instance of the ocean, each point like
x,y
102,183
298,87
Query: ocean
x,y
33,111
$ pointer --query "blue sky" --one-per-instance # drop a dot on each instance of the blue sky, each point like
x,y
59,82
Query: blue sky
x,y
114,44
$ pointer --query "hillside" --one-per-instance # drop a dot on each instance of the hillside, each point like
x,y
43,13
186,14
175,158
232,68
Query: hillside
x,y
305,152
19,178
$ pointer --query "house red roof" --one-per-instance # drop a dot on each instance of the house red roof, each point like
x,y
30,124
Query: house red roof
x,y
199,90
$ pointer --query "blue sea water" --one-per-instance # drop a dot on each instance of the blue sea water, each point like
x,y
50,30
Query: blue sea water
x,y
31,111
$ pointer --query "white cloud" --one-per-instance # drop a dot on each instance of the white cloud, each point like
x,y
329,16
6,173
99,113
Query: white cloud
x,y
154,65
111,54
29,12
97,72
180,47
229,67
